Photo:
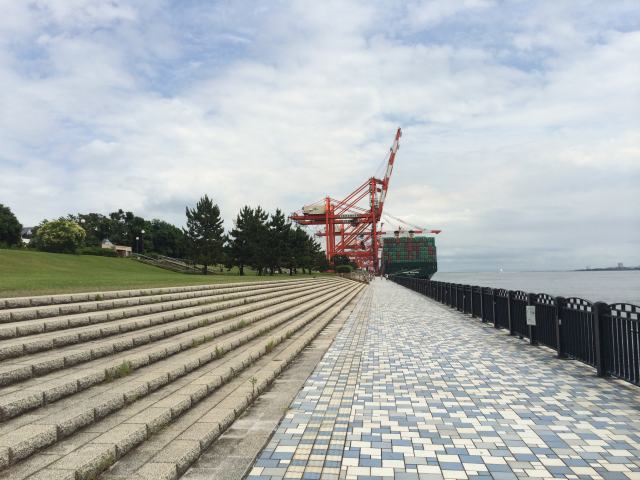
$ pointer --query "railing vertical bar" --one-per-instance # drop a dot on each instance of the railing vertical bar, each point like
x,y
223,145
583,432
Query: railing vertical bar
x,y
560,302
509,317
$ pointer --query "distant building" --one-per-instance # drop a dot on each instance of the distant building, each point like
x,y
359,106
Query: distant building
x,y
620,265
27,234
121,250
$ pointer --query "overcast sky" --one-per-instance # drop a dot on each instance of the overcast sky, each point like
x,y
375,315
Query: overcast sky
x,y
521,119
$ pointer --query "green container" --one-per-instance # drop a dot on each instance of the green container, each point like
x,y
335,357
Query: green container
x,y
410,256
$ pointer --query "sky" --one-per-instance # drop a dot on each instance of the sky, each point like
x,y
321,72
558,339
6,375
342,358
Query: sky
x,y
521,119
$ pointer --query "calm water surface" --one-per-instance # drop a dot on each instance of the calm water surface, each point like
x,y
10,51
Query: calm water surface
x,y
610,287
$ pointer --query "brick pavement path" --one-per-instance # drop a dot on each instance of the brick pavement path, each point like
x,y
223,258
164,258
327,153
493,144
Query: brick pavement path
x,y
413,390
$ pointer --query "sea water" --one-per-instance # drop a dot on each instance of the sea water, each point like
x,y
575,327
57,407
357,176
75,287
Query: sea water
x,y
610,287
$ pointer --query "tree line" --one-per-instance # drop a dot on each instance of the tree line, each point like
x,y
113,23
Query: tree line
x,y
265,242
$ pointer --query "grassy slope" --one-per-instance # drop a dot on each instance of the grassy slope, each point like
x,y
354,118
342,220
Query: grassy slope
x,y
25,273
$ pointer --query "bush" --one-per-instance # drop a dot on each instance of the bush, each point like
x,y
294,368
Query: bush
x,y
344,269
61,236
101,252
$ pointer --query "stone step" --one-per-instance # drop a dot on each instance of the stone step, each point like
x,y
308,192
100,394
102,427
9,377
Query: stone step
x,y
23,321
222,345
32,394
31,344
49,429
174,448
44,300
177,446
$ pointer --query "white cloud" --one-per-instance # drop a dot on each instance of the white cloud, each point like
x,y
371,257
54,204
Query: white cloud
x,y
431,12
110,105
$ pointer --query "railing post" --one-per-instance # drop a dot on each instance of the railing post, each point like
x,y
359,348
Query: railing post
x,y
482,315
493,307
450,295
600,311
560,302
509,300
531,301
473,315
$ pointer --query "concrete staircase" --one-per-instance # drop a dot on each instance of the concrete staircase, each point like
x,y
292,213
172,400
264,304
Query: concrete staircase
x,y
90,380
167,263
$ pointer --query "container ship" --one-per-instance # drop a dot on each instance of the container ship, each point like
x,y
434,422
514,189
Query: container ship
x,y
409,255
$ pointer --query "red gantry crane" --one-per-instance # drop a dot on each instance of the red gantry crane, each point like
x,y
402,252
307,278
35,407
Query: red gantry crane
x,y
351,224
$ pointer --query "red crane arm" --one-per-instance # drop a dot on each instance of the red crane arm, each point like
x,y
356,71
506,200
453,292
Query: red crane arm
x,y
387,176
350,227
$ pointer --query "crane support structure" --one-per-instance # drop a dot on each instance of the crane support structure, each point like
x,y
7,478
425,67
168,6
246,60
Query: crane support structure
x,y
351,225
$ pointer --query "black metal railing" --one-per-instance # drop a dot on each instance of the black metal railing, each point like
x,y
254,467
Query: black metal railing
x,y
546,315
606,337
488,304
476,302
501,318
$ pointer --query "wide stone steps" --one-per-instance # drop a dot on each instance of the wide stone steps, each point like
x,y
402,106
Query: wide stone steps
x,y
81,316
48,311
20,362
177,446
160,372
51,300
29,395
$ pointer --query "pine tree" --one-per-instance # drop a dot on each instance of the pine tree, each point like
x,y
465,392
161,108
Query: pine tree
x,y
277,244
296,250
313,252
258,239
239,244
205,233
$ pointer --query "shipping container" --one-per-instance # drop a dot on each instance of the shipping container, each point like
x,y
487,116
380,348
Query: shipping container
x,y
414,256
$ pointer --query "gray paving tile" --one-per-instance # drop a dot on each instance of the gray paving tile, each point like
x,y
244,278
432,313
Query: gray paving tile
x,y
412,389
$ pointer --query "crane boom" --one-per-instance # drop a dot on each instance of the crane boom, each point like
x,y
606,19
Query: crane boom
x,y
387,176
350,224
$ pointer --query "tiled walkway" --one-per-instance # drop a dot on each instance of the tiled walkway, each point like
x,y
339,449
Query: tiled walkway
x,y
413,390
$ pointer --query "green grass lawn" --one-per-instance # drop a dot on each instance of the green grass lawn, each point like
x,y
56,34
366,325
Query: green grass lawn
x,y
24,272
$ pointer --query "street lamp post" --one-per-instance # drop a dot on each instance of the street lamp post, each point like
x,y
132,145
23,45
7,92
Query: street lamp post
x,y
137,244
141,248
